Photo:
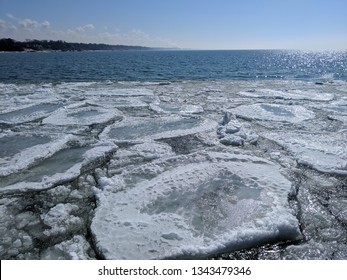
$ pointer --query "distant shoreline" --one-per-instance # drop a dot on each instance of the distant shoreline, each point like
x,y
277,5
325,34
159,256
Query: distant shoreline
x,y
10,45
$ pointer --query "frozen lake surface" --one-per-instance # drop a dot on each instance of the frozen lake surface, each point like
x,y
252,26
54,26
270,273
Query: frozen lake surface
x,y
185,169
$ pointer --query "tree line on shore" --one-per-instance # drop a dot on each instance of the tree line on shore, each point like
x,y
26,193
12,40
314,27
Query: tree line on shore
x,y
10,45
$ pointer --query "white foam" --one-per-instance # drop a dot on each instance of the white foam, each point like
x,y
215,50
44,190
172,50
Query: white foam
x,y
193,205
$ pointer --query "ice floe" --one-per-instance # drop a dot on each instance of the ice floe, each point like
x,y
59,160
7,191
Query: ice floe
x,y
193,205
28,114
274,112
336,109
83,114
325,153
63,165
137,154
126,92
140,129
19,151
294,94
170,177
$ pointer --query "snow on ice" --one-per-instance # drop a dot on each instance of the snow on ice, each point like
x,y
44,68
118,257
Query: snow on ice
x,y
325,153
193,205
169,170
274,112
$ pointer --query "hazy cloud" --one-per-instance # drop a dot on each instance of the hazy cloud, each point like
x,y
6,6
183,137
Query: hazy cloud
x,y
5,27
29,24
134,37
45,24
2,24
11,16
85,28
21,29
12,28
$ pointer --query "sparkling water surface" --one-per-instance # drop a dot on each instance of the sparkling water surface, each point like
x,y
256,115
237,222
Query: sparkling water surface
x,y
172,65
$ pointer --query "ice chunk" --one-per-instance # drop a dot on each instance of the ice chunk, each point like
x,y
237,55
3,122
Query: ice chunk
x,y
64,165
123,103
28,114
76,248
18,98
133,129
322,161
82,115
295,94
338,118
232,132
139,154
323,152
15,143
227,118
191,109
232,140
183,110
192,206
317,251
60,220
19,151
122,92
48,170
338,108
274,112
168,108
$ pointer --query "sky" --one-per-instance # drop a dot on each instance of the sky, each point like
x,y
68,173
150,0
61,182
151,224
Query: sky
x,y
187,24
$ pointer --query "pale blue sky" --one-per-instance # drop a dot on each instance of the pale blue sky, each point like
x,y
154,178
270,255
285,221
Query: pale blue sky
x,y
194,24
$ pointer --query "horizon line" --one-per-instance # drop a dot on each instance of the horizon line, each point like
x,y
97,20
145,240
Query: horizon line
x,y
190,49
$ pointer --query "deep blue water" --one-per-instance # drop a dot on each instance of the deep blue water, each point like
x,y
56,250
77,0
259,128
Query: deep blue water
x,y
171,66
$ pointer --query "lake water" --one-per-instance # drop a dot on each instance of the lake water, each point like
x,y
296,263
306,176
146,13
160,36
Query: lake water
x,y
172,65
